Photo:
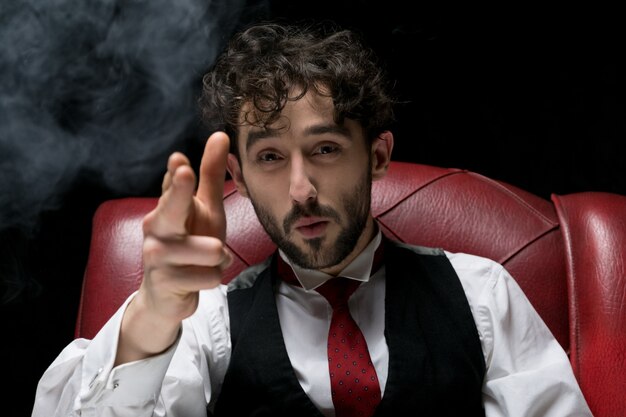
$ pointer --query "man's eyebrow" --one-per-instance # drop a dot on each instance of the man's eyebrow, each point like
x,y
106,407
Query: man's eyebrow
x,y
328,128
256,135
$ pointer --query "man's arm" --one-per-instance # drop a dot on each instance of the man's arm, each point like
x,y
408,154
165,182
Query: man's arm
x,y
528,372
183,252
124,368
82,378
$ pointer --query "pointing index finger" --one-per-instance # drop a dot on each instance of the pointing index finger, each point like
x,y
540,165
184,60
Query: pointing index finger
x,y
213,170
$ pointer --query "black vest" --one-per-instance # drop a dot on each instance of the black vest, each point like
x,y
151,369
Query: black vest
x,y
436,365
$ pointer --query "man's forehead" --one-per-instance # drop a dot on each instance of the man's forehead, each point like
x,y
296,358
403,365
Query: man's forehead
x,y
257,113
312,113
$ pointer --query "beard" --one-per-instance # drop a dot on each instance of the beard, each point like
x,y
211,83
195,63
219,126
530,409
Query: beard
x,y
317,254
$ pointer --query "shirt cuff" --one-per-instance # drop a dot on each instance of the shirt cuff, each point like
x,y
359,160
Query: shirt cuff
x,y
134,383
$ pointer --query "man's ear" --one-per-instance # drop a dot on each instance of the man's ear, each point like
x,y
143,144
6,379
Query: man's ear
x,y
234,169
381,154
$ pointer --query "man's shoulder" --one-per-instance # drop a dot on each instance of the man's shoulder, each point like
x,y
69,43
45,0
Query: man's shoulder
x,y
466,265
461,258
417,249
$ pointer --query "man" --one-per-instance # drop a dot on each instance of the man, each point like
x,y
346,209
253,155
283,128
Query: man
x,y
305,115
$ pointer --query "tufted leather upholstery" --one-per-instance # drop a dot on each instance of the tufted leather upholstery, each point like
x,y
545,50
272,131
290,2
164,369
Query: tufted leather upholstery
x,y
567,254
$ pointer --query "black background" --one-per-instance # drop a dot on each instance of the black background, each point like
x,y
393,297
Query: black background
x,y
527,95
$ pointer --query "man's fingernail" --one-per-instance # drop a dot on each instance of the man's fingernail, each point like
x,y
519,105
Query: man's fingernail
x,y
228,258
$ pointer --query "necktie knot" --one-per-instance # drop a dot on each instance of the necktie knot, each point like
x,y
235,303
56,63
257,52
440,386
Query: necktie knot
x,y
338,291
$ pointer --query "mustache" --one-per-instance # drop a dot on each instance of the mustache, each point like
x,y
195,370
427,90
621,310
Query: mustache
x,y
309,210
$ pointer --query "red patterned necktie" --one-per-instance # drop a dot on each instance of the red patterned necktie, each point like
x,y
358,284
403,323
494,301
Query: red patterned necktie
x,y
354,385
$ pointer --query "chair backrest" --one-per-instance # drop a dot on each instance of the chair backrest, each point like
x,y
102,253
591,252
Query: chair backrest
x,y
567,254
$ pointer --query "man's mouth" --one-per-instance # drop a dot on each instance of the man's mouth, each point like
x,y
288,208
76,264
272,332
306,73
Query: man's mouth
x,y
311,227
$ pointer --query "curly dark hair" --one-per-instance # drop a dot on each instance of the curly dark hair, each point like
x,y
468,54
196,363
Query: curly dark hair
x,y
263,64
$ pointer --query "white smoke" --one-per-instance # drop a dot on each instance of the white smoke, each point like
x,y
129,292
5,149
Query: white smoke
x,y
97,89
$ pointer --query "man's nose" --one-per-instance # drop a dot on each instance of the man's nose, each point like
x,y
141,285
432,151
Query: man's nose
x,y
301,187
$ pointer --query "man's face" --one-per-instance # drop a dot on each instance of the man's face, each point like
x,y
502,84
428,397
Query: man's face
x,y
309,181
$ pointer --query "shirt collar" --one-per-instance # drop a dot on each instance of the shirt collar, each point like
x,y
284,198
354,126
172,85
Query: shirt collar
x,y
359,269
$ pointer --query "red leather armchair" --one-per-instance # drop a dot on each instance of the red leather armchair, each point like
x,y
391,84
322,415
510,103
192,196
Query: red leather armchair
x,y
567,254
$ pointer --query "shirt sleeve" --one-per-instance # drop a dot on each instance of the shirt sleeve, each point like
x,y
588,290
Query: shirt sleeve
x,y
528,373
179,382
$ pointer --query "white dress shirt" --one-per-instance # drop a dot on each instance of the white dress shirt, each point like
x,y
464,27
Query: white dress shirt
x,y
528,373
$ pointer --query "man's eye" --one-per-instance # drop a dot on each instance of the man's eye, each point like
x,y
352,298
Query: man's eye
x,y
268,157
326,149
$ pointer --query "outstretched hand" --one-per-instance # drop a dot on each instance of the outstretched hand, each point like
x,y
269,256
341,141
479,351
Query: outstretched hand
x,y
183,251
